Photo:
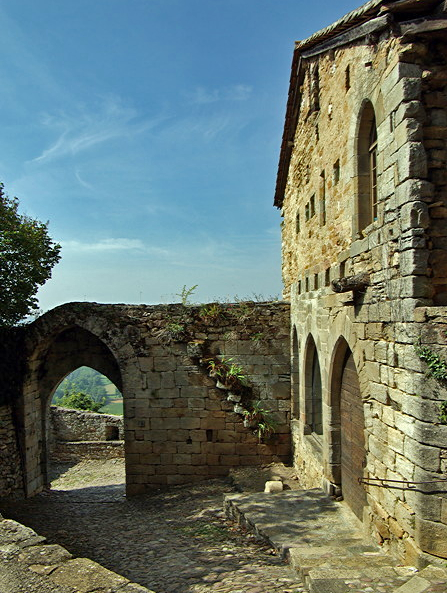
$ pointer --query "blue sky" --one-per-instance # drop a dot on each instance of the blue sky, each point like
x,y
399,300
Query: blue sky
x,y
148,132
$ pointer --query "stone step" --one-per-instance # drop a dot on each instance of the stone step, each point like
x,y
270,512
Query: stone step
x,y
386,579
304,559
432,579
323,541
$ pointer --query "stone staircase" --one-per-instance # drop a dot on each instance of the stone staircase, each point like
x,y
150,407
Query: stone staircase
x,y
324,542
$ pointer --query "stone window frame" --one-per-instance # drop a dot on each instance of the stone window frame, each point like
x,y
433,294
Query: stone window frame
x,y
313,87
366,174
313,391
295,374
322,192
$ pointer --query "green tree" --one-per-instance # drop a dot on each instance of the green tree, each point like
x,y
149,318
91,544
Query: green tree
x,y
27,256
79,401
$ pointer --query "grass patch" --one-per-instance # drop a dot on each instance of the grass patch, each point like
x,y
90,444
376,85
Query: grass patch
x,y
115,407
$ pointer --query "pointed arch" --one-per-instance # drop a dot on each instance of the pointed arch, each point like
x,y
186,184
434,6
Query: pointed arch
x,y
366,165
51,362
295,376
313,389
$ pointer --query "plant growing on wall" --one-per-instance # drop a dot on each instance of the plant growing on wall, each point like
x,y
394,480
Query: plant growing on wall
x,y
437,368
186,293
260,420
230,374
212,311
233,377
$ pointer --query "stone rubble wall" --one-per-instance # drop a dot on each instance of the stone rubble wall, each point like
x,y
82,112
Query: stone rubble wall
x,y
403,251
11,478
77,425
180,423
67,452
76,435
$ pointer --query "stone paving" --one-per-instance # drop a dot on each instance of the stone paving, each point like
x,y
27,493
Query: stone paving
x,y
175,540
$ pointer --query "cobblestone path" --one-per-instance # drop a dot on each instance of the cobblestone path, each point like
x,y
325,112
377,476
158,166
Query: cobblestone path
x,y
172,541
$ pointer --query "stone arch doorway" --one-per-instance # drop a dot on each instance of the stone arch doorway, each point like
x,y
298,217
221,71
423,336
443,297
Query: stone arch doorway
x,y
348,408
52,361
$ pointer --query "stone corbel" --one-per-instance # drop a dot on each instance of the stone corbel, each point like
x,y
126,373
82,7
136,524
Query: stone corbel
x,y
350,283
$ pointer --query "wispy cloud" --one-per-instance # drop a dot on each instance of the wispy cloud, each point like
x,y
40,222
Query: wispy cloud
x,y
202,95
112,245
88,126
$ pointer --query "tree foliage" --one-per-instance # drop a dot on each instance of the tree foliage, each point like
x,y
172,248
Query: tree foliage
x,y
27,256
86,380
79,401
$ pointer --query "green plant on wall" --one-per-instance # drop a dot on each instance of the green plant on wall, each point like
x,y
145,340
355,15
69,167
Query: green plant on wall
x,y
230,373
443,413
186,293
437,368
260,420
212,311
173,331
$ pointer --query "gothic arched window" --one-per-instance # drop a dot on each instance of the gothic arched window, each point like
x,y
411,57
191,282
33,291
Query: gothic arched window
x,y
367,168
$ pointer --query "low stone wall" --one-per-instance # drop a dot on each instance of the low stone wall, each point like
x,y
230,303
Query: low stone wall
x,y
76,425
64,452
11,479
31,564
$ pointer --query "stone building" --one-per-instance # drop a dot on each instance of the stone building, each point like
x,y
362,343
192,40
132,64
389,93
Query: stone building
x,y
362,190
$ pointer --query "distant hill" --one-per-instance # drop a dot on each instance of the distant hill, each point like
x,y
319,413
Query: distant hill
x,y
87,380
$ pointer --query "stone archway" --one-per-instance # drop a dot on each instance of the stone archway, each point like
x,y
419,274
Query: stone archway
x,y
348,409
56,357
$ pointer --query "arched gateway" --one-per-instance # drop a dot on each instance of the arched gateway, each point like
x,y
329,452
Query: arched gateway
x,y
179,425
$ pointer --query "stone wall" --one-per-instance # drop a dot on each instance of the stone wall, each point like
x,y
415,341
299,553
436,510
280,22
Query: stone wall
x,y
75,435
76,451
397,82
11,479
76,425
181,423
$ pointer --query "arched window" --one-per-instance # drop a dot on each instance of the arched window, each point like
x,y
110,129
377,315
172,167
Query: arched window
x,y
295,376
366,168
314,406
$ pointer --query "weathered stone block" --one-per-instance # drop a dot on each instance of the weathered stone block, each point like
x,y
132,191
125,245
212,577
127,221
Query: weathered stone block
x,y
84,575
411,161
407,89
414,261
431,537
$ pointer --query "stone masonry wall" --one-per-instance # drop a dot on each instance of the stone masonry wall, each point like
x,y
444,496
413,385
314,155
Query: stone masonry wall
x,y
184,426
402,252
11,479
75,435
76,451
181,423
76,425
